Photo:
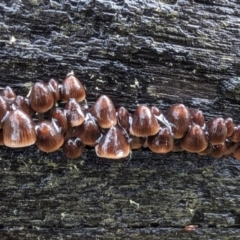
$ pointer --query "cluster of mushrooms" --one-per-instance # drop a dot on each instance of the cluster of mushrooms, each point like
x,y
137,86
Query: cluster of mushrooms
x,y
38,119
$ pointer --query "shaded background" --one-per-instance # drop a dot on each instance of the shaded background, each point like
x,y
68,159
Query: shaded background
x,y
152,52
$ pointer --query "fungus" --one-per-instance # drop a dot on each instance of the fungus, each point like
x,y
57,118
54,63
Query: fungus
x,y
143,122
59,115
75,114
72,88
49,137
18,130
179,116
230,126
104,112
41,98
89,131
197,117
162,142
123,117
113,144
4,108
219,150
73,147
217,131
54,88
22,103
195,139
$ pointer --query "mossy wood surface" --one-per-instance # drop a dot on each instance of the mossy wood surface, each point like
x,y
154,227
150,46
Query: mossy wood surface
x,y
140,51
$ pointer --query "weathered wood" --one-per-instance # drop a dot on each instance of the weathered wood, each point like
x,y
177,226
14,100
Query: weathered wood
x,y
153,52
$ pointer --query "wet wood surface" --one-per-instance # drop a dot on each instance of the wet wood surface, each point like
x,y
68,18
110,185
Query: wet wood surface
x,y
152,52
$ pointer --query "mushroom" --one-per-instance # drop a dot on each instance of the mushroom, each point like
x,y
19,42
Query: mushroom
x,y
143,123
72,88
162,142
74,112
197,117
179,116
104,112
41,98
54,88
113,144
4,108
195,139
22,103
89,131
217,131
230,126
59,115
49,137
123,117
73,147
18,130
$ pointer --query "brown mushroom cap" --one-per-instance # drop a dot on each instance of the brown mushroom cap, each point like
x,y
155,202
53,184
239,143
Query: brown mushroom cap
x,y
217,131
104,112
162,142
4,108
75,114
89,131
155,111
54,88
49,137
123,117
113,144
143,122
230,126
195,139
180,117
41,98
72,88
22,103
8,93
235,137
18,130
60,116
197,117
219,150
73,148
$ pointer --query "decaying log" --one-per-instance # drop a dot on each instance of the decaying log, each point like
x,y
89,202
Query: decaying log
x,y
153,52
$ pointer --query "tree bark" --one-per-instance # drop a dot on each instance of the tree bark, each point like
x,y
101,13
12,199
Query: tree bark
x,y
137,52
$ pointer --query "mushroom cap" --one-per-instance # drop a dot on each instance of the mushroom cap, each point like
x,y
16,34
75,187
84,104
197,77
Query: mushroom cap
x,y
155,111
72,88
54,88
73,147
217,131
123,117
230,126
195,139
89,131
197,117
49,137
59,115
4,108
180,117
104,112
162,142
18,130
236,153
113,144
41,98
8,93
22,103
219,150
143,122
75,114
235,137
